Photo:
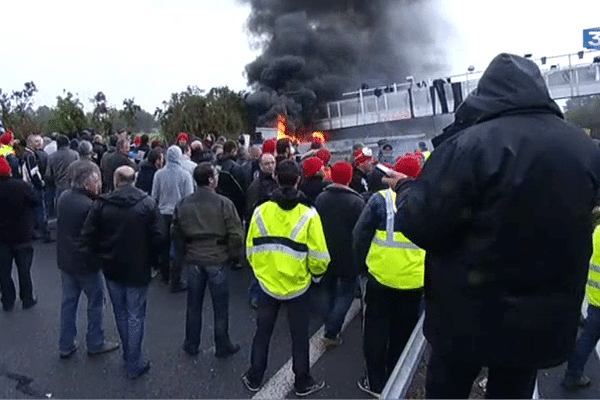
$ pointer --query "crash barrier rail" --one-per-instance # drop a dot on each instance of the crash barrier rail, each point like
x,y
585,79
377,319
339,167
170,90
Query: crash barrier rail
x,y
413,99
401,377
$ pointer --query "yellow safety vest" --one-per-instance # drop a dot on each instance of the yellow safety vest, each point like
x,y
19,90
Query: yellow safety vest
x,y
286,248
393,260
6,150
426,155
593,283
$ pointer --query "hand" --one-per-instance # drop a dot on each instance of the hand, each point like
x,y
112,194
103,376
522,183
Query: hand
x,y
394,178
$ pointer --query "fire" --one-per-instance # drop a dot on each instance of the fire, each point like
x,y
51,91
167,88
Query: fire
x,y
299,137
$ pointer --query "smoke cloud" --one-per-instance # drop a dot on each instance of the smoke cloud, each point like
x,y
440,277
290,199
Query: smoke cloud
x,y
314,50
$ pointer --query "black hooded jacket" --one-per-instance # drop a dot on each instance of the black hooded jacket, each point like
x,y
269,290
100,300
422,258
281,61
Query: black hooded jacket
x,y
503,209
124,230
288,197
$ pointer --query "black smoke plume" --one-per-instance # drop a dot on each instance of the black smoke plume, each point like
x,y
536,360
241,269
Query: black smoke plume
x,y
314,50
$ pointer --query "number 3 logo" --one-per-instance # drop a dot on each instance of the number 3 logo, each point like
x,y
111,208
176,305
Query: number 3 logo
x,y
595,38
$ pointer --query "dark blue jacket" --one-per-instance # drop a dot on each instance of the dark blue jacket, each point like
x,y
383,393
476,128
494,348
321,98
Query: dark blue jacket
x,y
145,176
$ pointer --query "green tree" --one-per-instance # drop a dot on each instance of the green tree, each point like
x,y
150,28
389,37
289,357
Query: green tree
x,y
68,117
102,118
17,110
221,110
585,112
130,113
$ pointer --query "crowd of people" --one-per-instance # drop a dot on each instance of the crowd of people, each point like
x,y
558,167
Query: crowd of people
x,y
493,231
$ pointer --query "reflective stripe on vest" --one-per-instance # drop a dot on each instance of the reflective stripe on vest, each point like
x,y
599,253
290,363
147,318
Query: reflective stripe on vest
x,y
393,260
593,283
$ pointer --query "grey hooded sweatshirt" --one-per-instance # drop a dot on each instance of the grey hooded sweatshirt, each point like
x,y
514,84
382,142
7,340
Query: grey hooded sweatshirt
x,y
171,183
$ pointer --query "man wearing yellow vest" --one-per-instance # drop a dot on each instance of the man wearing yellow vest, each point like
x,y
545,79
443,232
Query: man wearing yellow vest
x,y
7,150
287,250
590,334
394,286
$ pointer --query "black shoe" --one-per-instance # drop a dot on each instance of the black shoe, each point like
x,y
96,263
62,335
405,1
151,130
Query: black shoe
x,y
144,369
363,384
178,288
64,354
8,307
191,352
27,304
249,385
314,387
576,383
233,348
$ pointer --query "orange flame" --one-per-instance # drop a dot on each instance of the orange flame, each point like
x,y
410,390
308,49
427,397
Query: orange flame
x,y
299,138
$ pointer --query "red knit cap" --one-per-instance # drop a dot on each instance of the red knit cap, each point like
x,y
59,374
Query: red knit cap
x,y
362,156
341,173
4,168
324,155
408,165
7,138
269,146
183,136
311,166
137,141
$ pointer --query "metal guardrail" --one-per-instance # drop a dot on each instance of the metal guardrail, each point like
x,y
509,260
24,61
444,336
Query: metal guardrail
x,y
401,378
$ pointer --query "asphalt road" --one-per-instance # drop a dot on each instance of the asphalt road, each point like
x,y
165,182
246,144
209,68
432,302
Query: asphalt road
x,y
30,366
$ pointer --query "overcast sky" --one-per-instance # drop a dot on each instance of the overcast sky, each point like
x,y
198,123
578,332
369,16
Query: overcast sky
x,y
148,49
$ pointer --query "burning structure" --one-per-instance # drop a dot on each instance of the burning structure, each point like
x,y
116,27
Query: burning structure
x,y
313,51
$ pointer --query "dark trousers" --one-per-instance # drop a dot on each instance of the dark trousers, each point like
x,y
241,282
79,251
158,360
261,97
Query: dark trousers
x,y
448,378
216,277
298,310
165,253
588,337
22,254
390,317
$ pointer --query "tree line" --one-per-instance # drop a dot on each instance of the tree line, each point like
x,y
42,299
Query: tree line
x,y
220,111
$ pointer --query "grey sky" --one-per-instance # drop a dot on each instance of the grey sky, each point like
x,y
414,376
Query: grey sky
x,y
148,49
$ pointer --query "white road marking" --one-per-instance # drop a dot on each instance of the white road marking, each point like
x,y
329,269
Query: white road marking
x,y
283,381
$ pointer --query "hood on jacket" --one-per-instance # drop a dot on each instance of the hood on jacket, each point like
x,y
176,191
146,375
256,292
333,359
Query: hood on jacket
x,y
125,196
174,155
288,197
509,83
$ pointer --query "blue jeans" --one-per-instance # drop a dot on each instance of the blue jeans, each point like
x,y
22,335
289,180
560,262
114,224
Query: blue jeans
x,y
589,336
41,218
216,277
129,306
340,294
72,286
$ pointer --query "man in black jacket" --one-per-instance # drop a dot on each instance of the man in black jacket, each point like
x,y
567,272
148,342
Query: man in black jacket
x,y
123,229
339,208
17,203
34,168
113,160
504,210
232,182
79,271
209,226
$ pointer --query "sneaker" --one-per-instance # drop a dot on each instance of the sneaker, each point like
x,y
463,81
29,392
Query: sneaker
x,y
575,383
64,354
106,347
144,369
233,348
27,304
249,385
363,384
332,343
316,386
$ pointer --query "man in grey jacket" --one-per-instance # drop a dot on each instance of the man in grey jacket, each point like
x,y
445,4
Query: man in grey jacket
x,y
58,165
169,186
209,226
79,271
